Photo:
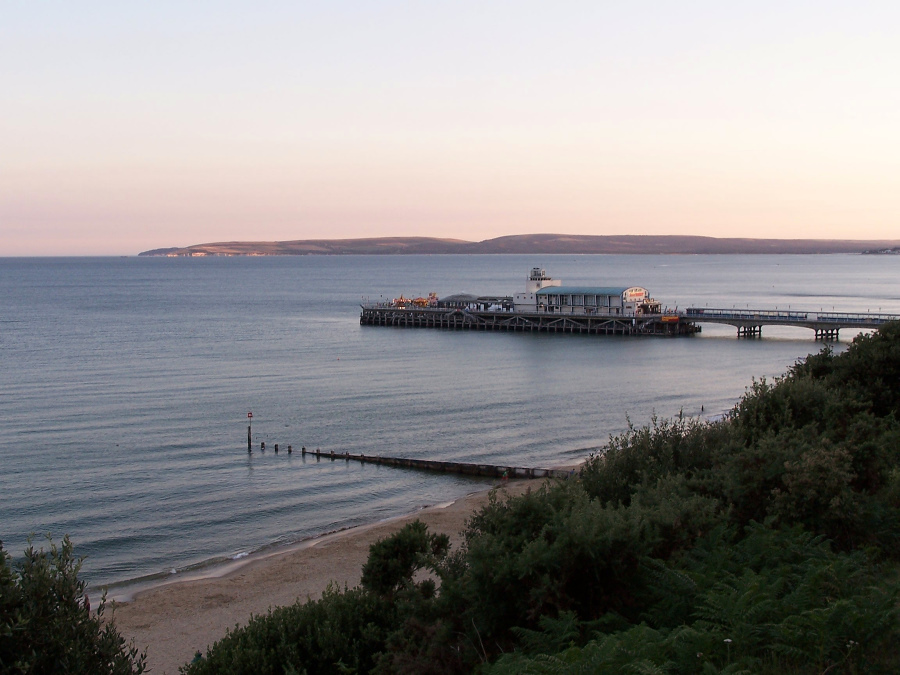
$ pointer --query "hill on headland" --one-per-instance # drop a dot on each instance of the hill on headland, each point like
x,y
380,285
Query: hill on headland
x,y
527,244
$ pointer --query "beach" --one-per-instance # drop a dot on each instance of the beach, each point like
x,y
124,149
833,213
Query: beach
x,y
178,618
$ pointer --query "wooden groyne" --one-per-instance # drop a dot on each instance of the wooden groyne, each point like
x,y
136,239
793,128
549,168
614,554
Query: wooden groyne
x,y
468,469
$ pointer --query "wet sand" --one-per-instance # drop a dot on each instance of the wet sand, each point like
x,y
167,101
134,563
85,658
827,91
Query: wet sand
x,y
175,620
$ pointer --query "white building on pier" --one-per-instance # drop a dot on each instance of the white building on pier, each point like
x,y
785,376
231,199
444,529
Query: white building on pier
x,y
543,294
537,280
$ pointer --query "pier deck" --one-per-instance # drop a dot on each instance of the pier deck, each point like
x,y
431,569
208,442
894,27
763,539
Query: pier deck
x,y
543,322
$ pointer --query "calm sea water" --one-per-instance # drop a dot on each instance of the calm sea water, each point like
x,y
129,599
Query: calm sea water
x,y
125,385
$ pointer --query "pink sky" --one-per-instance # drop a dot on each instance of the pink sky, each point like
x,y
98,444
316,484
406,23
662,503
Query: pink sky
x,y
130,128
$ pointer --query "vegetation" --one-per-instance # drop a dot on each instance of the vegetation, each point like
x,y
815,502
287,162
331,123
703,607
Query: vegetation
x,y
46,625
764,543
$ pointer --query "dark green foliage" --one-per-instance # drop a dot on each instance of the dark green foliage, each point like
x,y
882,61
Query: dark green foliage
x,y
558,551
775,601
421,643
344,632
423,647
393,561
339,633
45,624
869,371
643,455
765,543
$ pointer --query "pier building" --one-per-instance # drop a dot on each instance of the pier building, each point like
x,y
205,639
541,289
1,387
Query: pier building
x,y
544,294
614,301
537,281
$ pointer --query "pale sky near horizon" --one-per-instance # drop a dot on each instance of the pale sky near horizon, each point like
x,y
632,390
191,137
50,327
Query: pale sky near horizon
x,y
131,126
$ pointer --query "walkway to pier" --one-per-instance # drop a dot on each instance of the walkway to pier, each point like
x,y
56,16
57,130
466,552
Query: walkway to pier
x,y
749,322
489,470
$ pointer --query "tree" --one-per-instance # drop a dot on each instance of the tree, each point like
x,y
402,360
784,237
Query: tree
x,y
46,625
394,561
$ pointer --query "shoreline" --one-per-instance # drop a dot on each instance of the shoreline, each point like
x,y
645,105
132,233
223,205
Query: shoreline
x,y
126,591
174,618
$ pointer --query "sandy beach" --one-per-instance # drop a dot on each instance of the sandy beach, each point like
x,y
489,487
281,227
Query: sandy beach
x,y
175,620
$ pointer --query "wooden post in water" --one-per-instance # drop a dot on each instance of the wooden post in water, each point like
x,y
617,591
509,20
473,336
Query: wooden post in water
x,y
249,434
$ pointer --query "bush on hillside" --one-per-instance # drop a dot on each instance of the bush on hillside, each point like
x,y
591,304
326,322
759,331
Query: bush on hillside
x,y
46,625
768,601
395,560
340,633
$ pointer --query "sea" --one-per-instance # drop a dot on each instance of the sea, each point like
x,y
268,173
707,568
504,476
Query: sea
x,y
126,386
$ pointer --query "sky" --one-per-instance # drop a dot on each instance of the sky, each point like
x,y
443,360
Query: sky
x,y
127,126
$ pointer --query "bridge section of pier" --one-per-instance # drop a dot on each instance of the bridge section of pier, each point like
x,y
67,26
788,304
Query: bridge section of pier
x,y
749,322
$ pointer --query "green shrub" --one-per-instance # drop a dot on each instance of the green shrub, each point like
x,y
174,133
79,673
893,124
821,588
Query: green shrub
x,y
341,632
46,625
394,561
556,553
644,454
771,601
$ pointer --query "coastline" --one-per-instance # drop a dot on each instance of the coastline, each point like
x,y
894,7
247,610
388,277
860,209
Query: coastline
x,y
174,619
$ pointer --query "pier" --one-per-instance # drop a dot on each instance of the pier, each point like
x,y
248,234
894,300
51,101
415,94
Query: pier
x,y
547,306
749,322
468,469
529,322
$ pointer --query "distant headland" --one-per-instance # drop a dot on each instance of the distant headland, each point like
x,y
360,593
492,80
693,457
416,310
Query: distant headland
x,y
531,244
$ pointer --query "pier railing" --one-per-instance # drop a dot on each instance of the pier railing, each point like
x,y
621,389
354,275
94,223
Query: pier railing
x,y
825,324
